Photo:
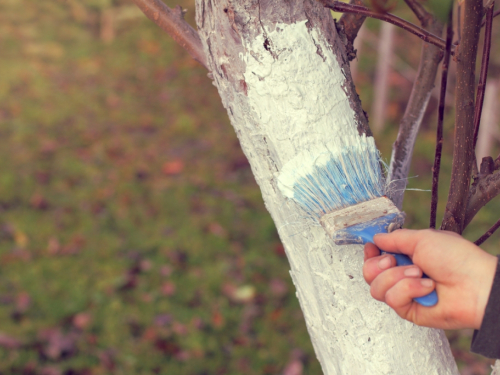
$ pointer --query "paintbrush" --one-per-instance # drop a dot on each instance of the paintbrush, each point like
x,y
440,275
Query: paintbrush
x,y
340,185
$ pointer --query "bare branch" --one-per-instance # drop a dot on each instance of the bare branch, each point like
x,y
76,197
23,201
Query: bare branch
x,y
494,15
439,132
484,71
423,16
352,22
488,233
487,188
402,149
387,17
454,216
172,21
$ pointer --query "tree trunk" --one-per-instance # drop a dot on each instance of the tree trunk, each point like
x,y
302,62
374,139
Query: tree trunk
x,y
283,76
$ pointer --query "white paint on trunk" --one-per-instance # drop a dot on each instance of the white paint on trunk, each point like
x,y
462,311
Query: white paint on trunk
x,y
295,102
297,96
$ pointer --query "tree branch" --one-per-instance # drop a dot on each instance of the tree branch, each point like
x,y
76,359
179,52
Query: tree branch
x,y
402,149
494,15
352,22
387,17
487,188
484,71
423,16
439,131
172,22
488,233
454,216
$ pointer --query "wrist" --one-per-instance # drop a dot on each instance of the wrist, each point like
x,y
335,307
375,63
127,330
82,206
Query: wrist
x,y
488,270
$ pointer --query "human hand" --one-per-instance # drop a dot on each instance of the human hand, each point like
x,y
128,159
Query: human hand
x,y
460,271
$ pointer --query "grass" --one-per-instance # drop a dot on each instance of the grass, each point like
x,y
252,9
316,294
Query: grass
x,y
133,237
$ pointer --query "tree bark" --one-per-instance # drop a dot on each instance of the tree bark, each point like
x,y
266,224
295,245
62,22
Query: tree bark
x,y
454,216
283,76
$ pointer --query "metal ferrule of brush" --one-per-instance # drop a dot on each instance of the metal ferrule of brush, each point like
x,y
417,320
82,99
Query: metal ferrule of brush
x,y
358,224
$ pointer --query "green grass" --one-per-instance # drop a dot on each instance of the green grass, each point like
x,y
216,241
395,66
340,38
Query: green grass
x,y
133,237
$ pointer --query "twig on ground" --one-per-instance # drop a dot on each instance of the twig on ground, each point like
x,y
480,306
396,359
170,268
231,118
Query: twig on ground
x,y
439,132
172,21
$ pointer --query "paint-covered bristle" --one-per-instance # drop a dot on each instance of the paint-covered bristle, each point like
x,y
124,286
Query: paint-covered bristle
x,y
335,175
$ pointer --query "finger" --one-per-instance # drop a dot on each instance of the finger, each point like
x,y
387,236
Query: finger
x,y
400,297
417,244
376,265
396,241
371,251
389,278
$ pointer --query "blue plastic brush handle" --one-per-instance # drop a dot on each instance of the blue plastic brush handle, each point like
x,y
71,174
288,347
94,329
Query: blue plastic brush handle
x,y
401,260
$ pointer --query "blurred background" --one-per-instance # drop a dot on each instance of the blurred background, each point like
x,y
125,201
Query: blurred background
x,y
133,237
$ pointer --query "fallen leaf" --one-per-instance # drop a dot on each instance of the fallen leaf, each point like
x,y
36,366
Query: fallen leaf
x,y
216,229
38,202
171,168
53,246
217,319
82,320
9,342
168,288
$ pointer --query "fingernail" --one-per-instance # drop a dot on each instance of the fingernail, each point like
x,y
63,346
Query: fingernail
x,y
411,272
427,282
381,234
384,263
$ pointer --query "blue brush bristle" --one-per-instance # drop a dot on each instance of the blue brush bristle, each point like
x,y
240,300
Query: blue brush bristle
x,y
340,175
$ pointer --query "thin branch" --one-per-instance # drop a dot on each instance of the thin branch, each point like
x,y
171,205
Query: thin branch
x,y
494,15
402,149
484,71
387,17
439,131
423,16
352,22
488,233
172,21
463,150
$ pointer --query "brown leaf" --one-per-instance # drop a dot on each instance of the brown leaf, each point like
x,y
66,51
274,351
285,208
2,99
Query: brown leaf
x,y
216,229
9,342
217,319
278,287
38,202
279,250
53,246
82,320
171,168
294,367
23,302
168,288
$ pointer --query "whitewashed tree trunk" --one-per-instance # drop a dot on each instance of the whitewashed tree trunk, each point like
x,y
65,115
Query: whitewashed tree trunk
x,y
283,77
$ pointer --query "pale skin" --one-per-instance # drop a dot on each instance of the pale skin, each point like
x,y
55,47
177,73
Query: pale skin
x,y
460,271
